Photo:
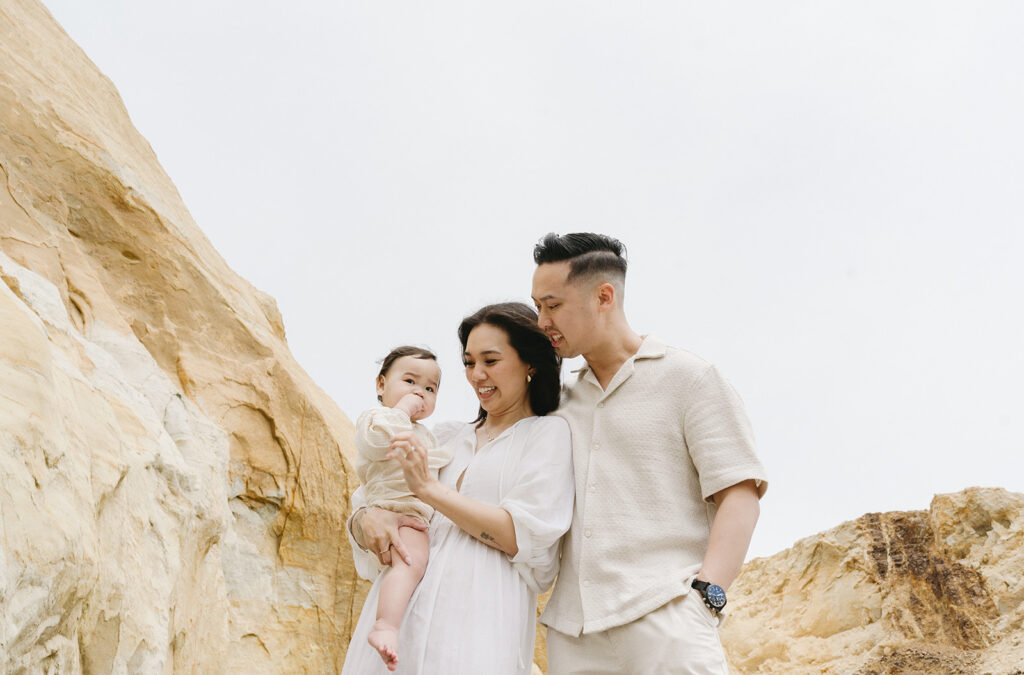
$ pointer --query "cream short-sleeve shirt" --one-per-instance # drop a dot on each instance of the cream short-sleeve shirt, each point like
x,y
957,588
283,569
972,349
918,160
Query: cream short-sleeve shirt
x,y
649,452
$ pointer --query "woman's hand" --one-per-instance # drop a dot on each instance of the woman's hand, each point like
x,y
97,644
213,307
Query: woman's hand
x,y
491,525
376,530
411,454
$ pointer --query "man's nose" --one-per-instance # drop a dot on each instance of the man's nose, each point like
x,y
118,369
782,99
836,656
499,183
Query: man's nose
x,y
543,320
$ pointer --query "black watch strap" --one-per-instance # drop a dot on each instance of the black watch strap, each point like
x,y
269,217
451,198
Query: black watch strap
x,y
701,586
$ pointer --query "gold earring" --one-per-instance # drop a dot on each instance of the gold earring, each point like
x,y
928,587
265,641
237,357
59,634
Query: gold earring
x,y
529,378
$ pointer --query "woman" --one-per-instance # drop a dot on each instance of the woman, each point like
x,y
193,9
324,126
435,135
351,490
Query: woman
x,y
501,506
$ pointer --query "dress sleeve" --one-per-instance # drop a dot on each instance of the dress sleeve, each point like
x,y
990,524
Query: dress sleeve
x,y
366,564
540,500
446,431
374,430
719,437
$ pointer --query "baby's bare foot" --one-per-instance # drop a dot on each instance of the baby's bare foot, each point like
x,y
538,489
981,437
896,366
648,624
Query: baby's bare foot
x,y
384,638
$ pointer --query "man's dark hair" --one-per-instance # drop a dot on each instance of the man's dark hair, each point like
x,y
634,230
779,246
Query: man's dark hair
x,y
533,346
399,352
588,253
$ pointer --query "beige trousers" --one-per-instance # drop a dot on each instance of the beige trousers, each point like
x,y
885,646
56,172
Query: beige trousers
x,y
680,637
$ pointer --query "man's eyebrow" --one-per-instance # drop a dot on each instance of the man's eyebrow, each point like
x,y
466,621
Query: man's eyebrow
x,y
549,296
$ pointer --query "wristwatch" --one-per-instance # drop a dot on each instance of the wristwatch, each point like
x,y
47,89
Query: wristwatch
x,y
714,595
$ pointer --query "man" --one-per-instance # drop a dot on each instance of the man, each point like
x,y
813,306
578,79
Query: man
x,y
667,481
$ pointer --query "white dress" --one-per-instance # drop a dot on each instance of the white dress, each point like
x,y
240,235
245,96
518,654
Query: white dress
x,y
474,612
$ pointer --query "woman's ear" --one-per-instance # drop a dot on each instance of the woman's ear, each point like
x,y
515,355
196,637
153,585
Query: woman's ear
x,y
380,388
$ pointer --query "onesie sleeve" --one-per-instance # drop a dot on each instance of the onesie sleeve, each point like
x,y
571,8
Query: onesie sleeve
x,y
540,500
374,430
719,437
366,564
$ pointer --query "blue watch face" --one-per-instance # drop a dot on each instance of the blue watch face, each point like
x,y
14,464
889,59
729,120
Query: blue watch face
x,y
716,596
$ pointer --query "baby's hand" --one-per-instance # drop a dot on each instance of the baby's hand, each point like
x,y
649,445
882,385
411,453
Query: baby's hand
x,y
412,405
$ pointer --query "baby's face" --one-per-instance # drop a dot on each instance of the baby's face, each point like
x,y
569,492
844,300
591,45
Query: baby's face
x,y
410,375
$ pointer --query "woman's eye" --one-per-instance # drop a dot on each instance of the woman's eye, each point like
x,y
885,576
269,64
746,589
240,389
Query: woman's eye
x,y
491,362
408,381
430,389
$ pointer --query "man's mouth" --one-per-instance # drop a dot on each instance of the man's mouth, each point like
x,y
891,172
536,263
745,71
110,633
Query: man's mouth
x,y
556,339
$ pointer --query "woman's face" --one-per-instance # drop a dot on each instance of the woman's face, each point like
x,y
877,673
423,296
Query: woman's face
x,y
495,371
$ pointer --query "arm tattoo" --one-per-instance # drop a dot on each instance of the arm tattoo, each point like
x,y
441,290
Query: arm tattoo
x,y
484,535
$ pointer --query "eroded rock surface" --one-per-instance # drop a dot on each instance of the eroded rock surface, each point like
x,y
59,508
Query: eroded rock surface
x,y
172,484
929,592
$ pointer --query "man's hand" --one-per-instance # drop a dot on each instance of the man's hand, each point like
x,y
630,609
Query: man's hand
x,y
376,530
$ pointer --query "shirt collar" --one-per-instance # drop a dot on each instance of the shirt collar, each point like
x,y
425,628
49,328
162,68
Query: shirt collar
x,y
650,348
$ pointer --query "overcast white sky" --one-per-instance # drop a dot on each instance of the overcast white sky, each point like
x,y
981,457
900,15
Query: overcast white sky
x,y
823,198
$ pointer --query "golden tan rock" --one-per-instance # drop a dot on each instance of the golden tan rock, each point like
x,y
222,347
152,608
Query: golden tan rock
x,y
172,484
927,592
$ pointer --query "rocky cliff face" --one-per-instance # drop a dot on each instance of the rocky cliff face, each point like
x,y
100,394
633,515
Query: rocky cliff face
x,y
172,484
927,592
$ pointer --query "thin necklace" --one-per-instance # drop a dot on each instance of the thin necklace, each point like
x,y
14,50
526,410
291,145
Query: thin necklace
x,y
490,437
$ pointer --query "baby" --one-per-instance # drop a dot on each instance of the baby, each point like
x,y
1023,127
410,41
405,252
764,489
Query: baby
x,y
407,387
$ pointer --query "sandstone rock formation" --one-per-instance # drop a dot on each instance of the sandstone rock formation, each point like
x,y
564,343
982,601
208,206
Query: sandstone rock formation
x,y
172,484
926,592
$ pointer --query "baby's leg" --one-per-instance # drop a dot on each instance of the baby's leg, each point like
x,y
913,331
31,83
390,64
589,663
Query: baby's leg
x,y
396,587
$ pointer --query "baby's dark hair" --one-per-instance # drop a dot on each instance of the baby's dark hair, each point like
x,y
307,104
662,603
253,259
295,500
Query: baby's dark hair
x,y
399,352
588,254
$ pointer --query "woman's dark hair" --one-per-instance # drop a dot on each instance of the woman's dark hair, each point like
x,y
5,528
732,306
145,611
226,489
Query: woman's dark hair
x,y
399,352
519,322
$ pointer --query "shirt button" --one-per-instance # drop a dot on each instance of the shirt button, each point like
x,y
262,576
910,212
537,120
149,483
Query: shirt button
x,y
593,486
587,533
596,446
586,582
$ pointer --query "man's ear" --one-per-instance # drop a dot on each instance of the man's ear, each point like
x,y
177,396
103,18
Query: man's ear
x,y
605,297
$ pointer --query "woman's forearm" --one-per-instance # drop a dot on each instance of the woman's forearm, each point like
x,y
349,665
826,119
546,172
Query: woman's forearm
x,y
489,524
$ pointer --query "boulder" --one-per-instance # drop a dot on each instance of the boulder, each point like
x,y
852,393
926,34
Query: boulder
x,y
928,592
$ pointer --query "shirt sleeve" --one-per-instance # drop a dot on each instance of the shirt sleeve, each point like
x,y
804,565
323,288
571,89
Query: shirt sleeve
x,y
374,430
366,564
540,500
719,436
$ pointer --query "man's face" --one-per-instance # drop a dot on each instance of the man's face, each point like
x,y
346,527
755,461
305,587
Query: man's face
x,y
566,311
